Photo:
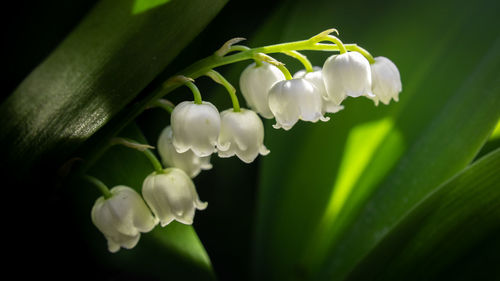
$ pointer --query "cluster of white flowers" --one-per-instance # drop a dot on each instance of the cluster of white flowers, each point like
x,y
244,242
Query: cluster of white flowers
x,y
122,217
198,130
309,95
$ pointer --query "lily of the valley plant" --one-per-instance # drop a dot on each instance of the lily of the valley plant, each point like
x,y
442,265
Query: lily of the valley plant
x,y
198,129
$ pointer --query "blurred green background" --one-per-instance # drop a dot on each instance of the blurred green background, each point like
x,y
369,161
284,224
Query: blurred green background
x,y
409,191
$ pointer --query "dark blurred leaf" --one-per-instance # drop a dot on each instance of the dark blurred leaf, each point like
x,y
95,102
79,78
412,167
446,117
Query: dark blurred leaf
x,y
100,67
54,20
447,225
174,251
113,54
330,192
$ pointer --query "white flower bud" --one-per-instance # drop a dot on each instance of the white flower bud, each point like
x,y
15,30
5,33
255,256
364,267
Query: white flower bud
x,y
187,161
255,82
316,78
122,218
172,195
345,75
386,82
195,127
241,133
295,99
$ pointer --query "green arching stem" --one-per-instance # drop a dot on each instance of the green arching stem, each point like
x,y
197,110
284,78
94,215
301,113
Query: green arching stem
x,y
164,104
144,148
196,92
154,161
263,57
228,47
365,53
286,72
333,39
218,78
100,185
200,67
303,59
130,143
240,48
258,61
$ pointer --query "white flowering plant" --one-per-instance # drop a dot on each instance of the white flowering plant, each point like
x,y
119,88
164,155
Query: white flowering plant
x,y
287,156
197,129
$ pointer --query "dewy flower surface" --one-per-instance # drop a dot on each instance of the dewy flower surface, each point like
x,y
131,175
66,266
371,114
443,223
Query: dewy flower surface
x,y
345,75
195,127
241,134
187,161
316,78
295,99
122,218
255,82
386,81
172,195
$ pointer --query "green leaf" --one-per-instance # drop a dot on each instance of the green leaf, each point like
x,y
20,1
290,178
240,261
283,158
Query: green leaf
x,y
446,226
99,68
174,251
330,192
447,145
492,143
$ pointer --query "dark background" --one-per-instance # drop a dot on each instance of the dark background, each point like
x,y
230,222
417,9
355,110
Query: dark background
x,y
43,223
49,242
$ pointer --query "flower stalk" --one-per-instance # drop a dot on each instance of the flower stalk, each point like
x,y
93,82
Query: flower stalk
x,y
100,185
202,66
163,104
218,78
144,148
300,57
195,91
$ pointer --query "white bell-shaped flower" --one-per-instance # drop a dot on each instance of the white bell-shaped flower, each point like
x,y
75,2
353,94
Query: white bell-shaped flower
x,y
122,218
172,195
316,78
195,127
255,82
345,75
187,161
241,133
386,81
295,99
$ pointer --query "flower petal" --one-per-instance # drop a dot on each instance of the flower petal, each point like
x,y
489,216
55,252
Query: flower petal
x,y
295,99
386,80
122,217
255,82
187,161
347,74
243,131
195,127
171,195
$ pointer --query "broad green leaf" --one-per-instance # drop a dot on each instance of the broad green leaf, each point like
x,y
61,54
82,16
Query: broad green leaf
x,y
119,47
448,224
430,160
492,143
496,132
330,192
174,251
